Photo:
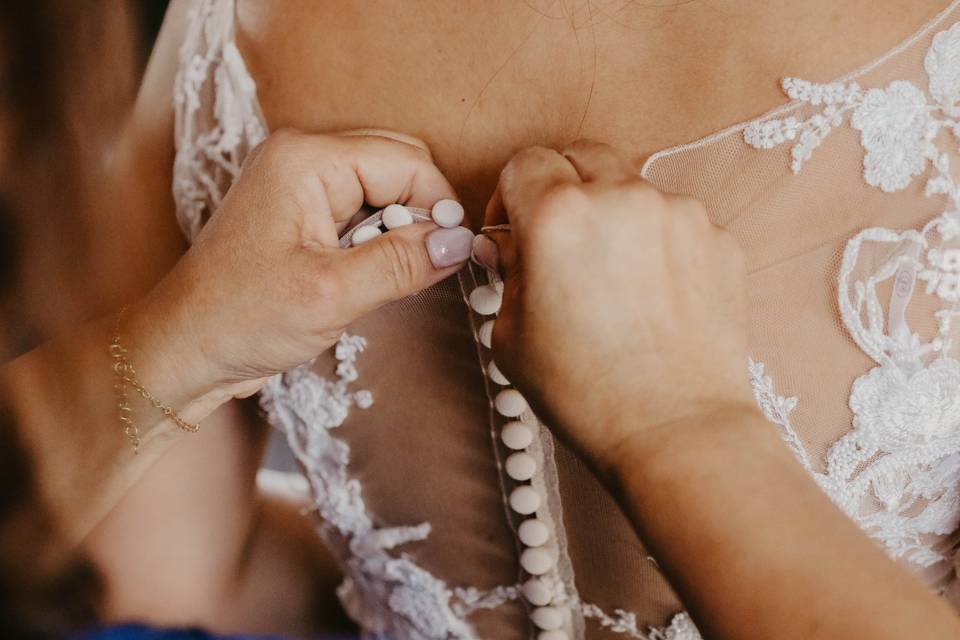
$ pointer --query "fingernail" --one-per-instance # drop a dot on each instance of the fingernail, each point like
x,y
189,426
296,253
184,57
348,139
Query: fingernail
x,y
485,253
448,247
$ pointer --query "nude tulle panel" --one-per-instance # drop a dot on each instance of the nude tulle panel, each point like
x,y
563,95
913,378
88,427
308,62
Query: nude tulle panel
x,y
794,229
423,450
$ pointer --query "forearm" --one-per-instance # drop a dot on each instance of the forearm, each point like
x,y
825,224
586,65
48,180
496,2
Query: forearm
x,y
65,413
754,547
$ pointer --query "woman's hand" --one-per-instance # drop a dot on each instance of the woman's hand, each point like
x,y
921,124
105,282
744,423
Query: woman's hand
x,y
265,286
623,309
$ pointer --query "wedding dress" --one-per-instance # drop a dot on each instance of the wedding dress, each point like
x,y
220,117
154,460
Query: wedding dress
x,y
846,203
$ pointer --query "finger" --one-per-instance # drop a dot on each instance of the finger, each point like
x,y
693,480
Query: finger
x,y
405,138
499,248
398,264
390,171
354,170
494,213
485,252
598,162
527,178
495,216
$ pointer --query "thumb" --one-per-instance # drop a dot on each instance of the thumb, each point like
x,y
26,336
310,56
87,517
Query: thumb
x,y
400,263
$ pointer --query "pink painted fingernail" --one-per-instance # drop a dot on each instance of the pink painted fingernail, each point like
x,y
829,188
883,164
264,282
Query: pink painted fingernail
x,y
485,253
448,247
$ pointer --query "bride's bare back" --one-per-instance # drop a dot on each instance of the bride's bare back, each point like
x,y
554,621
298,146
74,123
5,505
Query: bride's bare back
x,y
478,81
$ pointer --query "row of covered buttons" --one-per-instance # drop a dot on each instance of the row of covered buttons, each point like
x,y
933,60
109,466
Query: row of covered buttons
x,y
537,558
446,213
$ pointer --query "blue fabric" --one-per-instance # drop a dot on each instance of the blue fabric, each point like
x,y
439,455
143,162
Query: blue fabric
x,y
140,632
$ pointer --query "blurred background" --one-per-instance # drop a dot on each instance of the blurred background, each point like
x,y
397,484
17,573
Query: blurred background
x,y
68,76
69,71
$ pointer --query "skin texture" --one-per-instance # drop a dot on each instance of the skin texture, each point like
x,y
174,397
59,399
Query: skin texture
x,y
478,82
685,449
264,288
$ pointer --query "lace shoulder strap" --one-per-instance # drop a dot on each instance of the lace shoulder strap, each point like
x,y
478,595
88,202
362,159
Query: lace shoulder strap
x,y
217,116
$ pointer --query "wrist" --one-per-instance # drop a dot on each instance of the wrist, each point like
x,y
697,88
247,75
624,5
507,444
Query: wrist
x,y
169,359
670,451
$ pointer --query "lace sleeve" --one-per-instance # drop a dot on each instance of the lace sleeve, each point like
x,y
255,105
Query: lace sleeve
x,y
218,119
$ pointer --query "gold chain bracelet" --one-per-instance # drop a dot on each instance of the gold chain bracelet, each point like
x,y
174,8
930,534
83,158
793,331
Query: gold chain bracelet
x,y
127,376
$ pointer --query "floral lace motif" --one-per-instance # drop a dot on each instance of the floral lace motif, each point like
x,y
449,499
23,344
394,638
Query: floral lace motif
x,y
897,472
681,627
211,143
386,593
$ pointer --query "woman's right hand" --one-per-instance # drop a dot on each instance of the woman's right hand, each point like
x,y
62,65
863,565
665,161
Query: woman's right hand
x,y
265,286
623,313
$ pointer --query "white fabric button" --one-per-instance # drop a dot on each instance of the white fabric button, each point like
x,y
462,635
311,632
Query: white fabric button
x,y
364,234
396,215
533,533
495,374
537,592
520,466
516,435
485,300
447,213
536,561
556,634
547,618
510,403
524,500
485,334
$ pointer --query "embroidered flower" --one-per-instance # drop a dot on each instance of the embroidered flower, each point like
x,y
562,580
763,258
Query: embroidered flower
x,y
898,125
896,131
893,410
942,65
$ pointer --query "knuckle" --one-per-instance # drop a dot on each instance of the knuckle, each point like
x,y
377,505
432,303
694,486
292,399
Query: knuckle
x,y
585,145
560,201
276,149
253,155
284,135
402,264
328,286
640,196
557,218
417,145
525,158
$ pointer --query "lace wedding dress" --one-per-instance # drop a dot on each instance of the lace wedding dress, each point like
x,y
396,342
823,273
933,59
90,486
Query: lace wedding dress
x,y
846,203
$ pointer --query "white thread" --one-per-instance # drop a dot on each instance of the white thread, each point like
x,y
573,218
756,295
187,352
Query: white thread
x,y
897,472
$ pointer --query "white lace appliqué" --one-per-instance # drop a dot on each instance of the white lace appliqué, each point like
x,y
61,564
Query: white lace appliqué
x,y
897,472
388,593
681,627
898,125
211,142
